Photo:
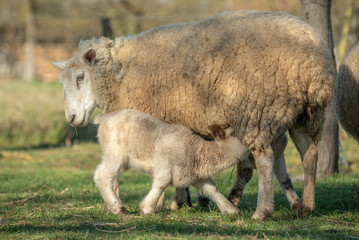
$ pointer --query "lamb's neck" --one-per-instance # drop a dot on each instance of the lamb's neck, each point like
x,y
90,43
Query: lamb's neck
x,y
211,159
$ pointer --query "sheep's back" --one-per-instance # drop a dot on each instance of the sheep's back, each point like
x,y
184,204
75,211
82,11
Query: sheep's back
x,y
254,71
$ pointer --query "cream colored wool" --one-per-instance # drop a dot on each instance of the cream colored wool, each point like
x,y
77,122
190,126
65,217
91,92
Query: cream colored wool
x,y
346,97
255,71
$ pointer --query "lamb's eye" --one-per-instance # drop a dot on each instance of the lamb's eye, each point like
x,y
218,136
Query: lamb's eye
x,y
80,78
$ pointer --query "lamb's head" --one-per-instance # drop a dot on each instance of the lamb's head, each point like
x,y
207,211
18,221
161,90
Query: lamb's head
x,y
226,139
79,99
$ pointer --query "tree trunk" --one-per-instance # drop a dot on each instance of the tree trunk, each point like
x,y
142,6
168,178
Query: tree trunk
x,y
317,14
29,64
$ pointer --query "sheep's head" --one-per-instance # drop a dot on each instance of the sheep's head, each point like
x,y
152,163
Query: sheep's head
x,y
79,99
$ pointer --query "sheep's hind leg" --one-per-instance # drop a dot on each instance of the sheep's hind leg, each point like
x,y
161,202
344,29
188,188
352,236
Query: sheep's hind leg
x,y
281,173
208,188
264,160
309,155
107,182
160,182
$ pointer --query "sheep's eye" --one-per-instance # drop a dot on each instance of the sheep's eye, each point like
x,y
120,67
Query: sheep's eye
x,y
80,78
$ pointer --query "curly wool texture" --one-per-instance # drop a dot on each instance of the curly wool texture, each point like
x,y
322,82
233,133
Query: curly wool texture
x,y
346,94
258,72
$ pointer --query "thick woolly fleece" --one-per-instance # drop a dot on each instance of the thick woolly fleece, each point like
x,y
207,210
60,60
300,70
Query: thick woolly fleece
x,y
258,72
346,94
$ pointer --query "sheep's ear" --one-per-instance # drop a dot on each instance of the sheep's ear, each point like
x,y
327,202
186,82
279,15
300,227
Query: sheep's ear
x,y
60,64
217,132
89,56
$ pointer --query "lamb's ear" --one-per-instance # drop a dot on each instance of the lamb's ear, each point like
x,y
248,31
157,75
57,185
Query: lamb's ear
x,y
217,132
89,56
60,64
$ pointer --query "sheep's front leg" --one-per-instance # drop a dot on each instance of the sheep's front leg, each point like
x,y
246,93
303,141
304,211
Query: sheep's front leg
x,y
160,182
244,174
208,188
264,162
107,182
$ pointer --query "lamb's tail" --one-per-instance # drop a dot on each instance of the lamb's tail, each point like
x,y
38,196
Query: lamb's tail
x,y
98,119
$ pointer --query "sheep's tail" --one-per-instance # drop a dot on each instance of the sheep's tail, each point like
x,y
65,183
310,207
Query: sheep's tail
x,y
98,119
320,91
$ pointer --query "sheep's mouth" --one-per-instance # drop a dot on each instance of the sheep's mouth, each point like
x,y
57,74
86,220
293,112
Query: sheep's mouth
x,y
83,122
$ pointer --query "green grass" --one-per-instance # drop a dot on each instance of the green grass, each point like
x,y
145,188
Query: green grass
x,y
47,190
50,193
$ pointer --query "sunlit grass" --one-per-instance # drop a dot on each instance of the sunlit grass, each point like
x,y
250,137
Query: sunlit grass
x,y
48,192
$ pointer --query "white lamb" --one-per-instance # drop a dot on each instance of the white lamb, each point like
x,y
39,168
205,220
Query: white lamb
x,y
172,153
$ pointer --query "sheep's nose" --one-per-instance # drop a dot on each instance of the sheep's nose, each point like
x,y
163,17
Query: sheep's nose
x,y
73,116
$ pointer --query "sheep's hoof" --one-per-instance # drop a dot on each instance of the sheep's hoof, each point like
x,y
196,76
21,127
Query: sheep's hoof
x,y
295,206
304,211
261,215
234,200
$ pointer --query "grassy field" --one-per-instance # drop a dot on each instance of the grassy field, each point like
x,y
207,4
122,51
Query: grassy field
x,y
47,189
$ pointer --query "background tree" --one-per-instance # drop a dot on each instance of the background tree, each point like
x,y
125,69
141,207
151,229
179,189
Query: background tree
x,y
29,60
317,14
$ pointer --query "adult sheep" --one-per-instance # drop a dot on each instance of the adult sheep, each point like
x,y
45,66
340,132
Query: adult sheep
x,y
261,73
346,94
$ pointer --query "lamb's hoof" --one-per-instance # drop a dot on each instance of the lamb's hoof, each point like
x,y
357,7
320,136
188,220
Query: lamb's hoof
x,y
146,211
203,202
118,210
175,206
158,209
123,210
235,212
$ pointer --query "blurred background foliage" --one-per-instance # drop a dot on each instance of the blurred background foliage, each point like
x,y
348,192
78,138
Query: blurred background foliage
x,y
35,32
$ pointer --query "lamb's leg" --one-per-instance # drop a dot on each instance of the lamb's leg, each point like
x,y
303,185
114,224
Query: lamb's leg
x,y
106,180
244,174
179,199
281,173
264,160
160,203
160,182
208,188
309,155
